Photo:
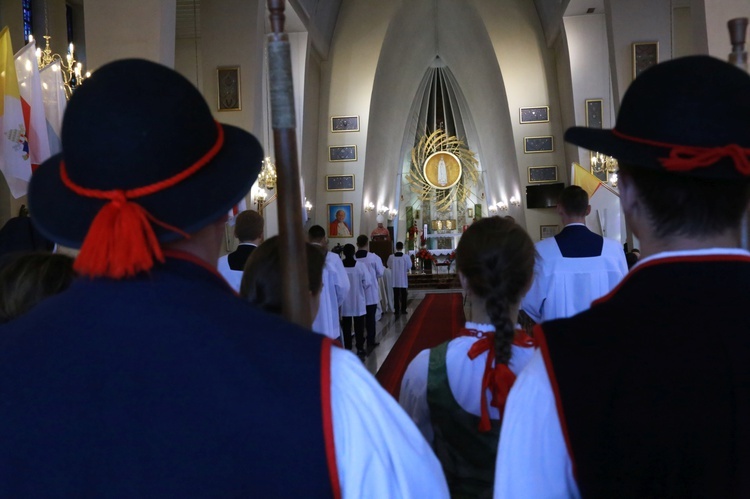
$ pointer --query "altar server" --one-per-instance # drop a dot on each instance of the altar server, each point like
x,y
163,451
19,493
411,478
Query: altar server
x,y
372,294
456,391
647,393
399,263
149,376
335,287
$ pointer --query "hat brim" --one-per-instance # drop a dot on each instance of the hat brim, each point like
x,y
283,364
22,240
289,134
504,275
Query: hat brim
x,y
202,198
640,155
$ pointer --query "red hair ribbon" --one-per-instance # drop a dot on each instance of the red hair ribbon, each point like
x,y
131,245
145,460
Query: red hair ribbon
x,y
497,379
121,240
685,158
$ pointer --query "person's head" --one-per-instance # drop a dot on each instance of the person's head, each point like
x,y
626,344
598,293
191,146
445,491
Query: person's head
x,y
380,219
148,169
340,215
399,246
684,174
28,278
495,263
573,203
349,251
362,241
248,226
262,281
317,235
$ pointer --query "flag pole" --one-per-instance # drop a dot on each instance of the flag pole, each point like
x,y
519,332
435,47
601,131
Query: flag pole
x,y
296,306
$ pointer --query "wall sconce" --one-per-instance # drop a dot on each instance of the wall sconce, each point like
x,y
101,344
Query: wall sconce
x,y
492,209
260,198
613,179
515,201
392,214
383,209
369,207
308,207
502,206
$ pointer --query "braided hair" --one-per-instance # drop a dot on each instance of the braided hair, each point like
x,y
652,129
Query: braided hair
x,y
496,257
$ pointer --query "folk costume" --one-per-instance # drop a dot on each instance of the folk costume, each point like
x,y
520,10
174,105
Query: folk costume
x,y
149,376
574,268
399,263
647,393
450,393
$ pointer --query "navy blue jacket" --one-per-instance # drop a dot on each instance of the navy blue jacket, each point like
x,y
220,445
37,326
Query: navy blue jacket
x,y
164,385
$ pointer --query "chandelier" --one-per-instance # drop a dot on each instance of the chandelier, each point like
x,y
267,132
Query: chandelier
x,y
267,175
601,163
72,71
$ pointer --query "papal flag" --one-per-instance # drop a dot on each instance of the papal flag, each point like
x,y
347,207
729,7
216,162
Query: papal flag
x,y
53,93
14,145
32,103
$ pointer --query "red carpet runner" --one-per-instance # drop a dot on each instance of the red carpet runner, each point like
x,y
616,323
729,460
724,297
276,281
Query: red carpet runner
x,y
433,322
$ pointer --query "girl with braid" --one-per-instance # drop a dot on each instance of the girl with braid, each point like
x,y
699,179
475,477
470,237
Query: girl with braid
x,y
456,392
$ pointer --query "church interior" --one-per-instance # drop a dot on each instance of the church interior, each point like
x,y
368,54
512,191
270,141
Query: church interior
x,y
490,85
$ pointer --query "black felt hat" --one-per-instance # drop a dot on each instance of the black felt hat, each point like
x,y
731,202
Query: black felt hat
x,y
139,139
689,115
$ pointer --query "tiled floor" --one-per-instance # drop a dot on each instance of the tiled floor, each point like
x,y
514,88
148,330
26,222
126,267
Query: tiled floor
x,y
390,326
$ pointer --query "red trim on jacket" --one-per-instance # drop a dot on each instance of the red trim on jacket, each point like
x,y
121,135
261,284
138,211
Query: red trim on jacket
x,y
542,342
325,395
672,259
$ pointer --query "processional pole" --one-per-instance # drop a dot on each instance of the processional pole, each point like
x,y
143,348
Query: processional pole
x,y
296,306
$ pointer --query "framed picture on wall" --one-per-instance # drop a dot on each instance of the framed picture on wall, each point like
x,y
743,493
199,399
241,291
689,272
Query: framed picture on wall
x,y
344,124
538,114
542,174
546,231
594,113
229,89
538,144
645,55
340,221
343,182
342,153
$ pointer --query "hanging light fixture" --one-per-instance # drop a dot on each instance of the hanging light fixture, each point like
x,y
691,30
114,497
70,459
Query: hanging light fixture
x,y
72,70
601,163
267,175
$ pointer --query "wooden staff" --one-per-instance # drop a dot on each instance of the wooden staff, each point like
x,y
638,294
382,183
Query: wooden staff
x,y
296,306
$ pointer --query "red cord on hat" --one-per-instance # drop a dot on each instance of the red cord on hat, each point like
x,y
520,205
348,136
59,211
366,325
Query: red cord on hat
x,y
121,240
685,158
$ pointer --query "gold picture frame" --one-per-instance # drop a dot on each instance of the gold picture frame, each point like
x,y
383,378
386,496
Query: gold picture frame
x,y
540,174
535,145
341,124
228,95
547,231
343,182
645,55
535,114
334,220
595,113
342,153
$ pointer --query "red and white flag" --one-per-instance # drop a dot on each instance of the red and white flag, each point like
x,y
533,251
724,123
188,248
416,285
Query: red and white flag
x,y
32,102
14,145
53,94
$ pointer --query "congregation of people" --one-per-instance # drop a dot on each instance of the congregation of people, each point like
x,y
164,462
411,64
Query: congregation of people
x,y
152,366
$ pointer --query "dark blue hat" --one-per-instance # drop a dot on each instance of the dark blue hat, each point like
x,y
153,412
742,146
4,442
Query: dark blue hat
x,y
689,115
140,143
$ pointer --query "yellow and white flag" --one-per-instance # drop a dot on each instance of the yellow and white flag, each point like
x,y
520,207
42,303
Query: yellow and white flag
x,y
53,93
605,217
14,145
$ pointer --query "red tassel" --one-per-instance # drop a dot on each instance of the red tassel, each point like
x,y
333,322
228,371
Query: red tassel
x,y
120,242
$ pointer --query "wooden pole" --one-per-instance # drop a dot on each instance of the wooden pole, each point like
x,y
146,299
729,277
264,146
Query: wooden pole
x,y
296,307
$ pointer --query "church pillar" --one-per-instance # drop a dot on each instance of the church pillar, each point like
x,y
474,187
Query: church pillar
x,y
136,28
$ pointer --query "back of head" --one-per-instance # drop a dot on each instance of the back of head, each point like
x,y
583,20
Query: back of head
x,y
362,241
690,165
143,163
399,246
316,234
27,279
349,251
262,281
496,258
248,226
574,201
